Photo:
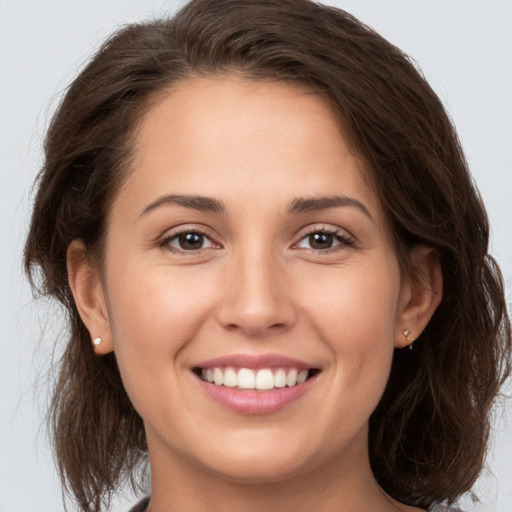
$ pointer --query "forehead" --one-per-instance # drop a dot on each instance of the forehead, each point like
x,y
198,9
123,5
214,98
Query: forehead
x,y
217,109
229,136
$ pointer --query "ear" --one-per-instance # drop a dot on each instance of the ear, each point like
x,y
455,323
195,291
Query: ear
x,y
420,296
85,283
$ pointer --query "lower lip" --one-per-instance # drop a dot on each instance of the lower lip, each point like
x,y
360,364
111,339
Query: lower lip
x,y
255,402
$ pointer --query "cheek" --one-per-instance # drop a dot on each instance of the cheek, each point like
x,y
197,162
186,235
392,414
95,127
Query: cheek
x,y
153,316
355,316
153,297
355,307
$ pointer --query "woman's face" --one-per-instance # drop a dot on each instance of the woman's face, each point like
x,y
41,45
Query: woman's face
x,y
248,246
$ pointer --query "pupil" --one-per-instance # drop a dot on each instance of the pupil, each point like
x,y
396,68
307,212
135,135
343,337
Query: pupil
x,y
191,241
320,240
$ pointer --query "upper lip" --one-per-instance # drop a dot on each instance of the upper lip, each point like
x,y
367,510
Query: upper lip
x,y
256,362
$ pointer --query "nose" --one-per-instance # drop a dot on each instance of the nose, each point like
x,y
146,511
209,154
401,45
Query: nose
x,y
257,298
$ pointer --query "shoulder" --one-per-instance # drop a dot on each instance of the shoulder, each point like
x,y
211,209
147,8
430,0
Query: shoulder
x,y
141,506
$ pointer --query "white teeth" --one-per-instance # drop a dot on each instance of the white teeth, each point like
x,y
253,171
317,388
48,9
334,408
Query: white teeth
x,y
280,378
230,378
303,375
263,379
218,377
291,378
246,379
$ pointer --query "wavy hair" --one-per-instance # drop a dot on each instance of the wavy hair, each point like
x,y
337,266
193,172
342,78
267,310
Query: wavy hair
x,y
428,435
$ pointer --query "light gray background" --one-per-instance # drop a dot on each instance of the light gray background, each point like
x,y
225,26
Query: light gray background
x,y
465,50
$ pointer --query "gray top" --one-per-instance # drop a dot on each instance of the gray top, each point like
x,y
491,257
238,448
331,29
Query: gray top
x,y
439,507
436,507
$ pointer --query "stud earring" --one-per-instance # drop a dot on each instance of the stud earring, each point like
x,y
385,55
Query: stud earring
x,y
96,341
406,333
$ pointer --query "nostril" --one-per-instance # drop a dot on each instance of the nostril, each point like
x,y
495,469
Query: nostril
x,y
256,326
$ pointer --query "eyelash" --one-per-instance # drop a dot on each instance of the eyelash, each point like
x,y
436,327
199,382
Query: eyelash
x,y
340,236
166,241
345,241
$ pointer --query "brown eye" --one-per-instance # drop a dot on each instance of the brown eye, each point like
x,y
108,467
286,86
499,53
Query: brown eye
x,y
324,240
188,241
321,240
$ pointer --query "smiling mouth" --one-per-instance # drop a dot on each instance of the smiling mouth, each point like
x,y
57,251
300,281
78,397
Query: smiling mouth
x,y
262,379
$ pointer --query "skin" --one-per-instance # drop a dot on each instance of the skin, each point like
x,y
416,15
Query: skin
x,y
256,286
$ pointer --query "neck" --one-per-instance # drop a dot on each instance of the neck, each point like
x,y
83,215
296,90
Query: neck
x,y
341,484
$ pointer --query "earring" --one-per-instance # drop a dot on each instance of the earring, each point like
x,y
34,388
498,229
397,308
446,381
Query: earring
x,y
406,333
96,341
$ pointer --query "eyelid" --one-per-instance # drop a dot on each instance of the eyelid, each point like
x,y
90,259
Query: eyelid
x,y
170,234
346,239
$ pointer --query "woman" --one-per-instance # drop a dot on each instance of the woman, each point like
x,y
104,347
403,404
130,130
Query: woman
x,y
252,211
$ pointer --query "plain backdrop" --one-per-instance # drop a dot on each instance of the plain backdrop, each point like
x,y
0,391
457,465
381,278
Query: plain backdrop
x,y
463,47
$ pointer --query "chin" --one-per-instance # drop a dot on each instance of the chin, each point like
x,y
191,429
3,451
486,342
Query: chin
x,y
258,472
249,465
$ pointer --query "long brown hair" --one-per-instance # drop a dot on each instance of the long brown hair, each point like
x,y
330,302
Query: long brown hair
x,y
428,436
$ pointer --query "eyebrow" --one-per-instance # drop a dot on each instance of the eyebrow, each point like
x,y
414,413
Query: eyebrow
x,y
304,204
203,204
297,206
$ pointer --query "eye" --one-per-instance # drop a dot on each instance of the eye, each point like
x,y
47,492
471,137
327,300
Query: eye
x,y
187,241
322,240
